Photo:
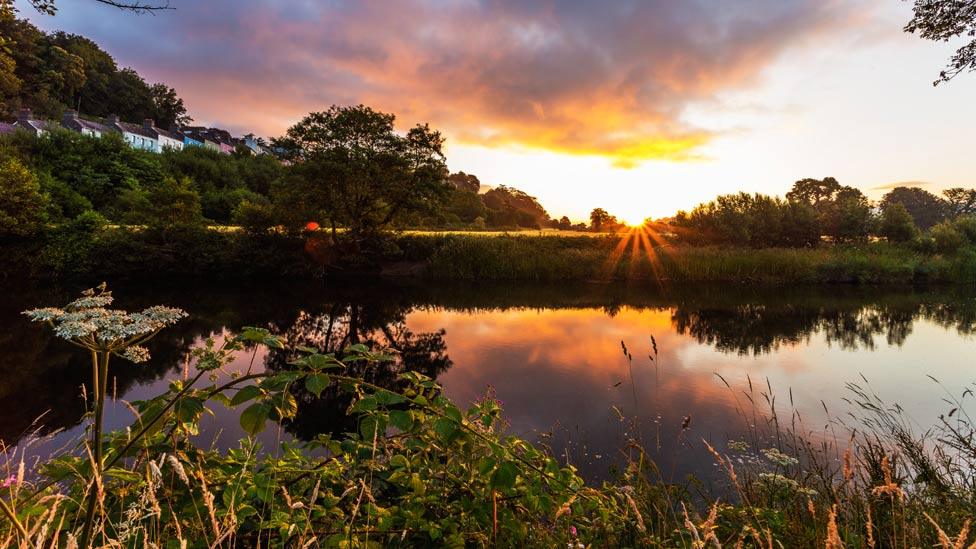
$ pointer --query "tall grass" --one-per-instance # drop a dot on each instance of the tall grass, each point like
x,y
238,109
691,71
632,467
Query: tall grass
x,y
565,258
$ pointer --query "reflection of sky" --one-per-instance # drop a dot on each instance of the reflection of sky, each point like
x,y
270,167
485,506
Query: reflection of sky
x,y
559,367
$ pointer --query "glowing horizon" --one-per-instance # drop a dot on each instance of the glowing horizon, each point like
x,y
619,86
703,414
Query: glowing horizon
x,y
641,108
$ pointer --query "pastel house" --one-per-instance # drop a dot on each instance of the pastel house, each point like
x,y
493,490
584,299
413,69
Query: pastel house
x,y
135,135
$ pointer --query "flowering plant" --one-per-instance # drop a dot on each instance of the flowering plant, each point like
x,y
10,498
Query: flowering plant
x,y
88,323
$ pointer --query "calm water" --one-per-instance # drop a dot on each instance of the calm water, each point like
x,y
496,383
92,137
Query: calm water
x,y
552,354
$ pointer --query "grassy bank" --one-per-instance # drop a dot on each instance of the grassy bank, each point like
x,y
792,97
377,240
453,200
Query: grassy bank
x,y
560,258
77,250
419,471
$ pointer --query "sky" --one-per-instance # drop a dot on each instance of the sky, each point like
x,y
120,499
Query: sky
x,y
641,107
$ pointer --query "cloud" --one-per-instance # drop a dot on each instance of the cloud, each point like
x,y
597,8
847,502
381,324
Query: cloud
x,y
889,186
595,78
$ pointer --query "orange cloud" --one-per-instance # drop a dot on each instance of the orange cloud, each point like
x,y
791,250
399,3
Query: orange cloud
x,y
590,78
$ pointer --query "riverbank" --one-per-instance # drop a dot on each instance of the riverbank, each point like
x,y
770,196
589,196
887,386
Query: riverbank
x,y
87,253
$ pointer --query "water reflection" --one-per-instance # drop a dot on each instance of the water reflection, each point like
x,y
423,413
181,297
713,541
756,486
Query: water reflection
x,y
378,325
550,353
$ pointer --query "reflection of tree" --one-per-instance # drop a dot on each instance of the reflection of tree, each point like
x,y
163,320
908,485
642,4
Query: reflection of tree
x,y
343,324
762,328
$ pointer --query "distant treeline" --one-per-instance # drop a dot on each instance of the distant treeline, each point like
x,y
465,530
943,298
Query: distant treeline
x,y
48,73
822,209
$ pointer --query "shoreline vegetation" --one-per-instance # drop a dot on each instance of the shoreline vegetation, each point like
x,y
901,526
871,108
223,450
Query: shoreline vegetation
x,y
89,250
865,480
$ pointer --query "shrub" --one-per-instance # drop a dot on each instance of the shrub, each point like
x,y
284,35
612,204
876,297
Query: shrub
x,y
253,216
21,203
966,226
897,224
948,239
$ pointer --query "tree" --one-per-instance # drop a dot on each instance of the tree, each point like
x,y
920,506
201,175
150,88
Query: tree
x,y
814,192
843,212
358,173
925,208
21,202
465,182
168,108
508,207
944,20
564,224
173,203
960,201
598,219
897,224
849,216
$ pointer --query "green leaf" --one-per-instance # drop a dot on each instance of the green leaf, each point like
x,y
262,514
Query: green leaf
x,y
445,428
486,465
316,383
247,393
366,404
123,474
504,476
371,426
401,420
253,418
387,398
188,410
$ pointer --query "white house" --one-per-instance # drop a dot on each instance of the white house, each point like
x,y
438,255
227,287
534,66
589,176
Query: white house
x,y
166,139
135,135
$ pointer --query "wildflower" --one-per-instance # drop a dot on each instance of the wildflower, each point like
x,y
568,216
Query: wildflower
x,y
87,322
136,353
739,445
572,531
779,458
9,481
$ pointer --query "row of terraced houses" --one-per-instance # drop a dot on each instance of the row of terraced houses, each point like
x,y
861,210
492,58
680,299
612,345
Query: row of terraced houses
x,y
145,136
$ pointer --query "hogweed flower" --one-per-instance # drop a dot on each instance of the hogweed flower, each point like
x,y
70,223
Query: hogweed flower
x,y
88,322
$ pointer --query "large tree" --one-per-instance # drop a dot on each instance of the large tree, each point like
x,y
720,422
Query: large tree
x,y
944,20
960,201
925,208
843,212
168,108
355,171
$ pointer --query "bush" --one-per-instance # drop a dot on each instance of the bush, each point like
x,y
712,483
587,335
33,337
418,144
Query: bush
x,y
948,239
70,246
21,203
966,226
897,224
253,217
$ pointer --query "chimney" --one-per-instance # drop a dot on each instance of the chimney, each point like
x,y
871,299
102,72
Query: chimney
x,y
69,116
148,124
24,115
111,120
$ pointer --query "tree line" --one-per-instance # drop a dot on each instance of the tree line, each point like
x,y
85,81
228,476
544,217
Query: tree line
x,y
815,210
49,72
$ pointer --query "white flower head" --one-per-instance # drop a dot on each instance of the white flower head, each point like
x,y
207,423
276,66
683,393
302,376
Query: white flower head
x,y
44,314
135,353
88,322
